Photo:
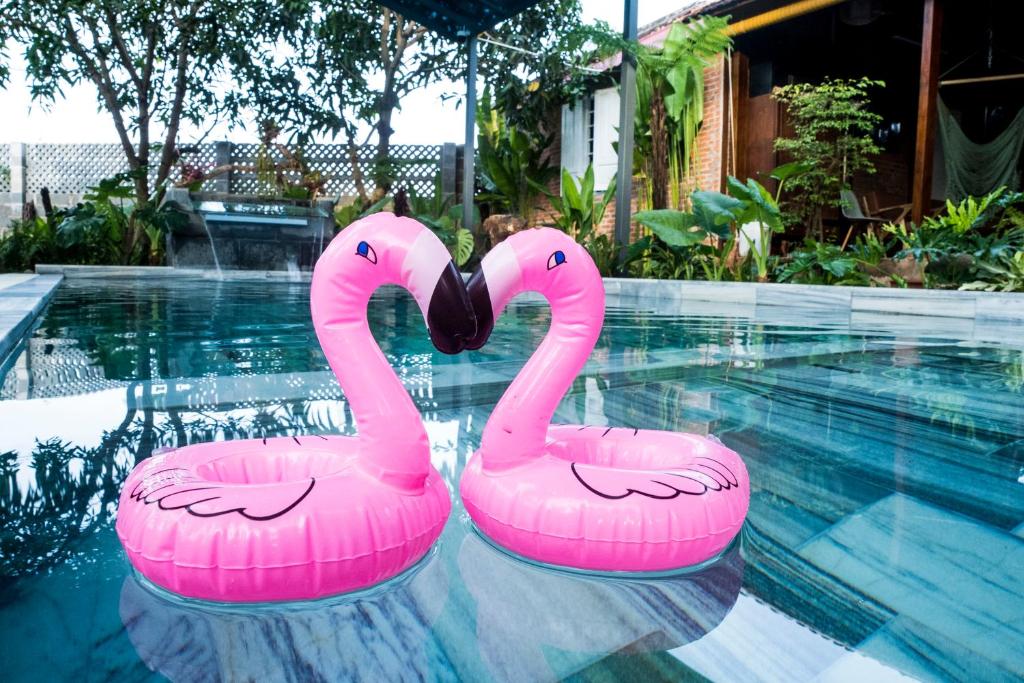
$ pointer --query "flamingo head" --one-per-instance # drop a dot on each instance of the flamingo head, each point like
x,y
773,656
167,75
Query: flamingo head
x,y
386,249
543,260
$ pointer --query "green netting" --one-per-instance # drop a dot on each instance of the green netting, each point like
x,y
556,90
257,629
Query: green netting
x,y
975,170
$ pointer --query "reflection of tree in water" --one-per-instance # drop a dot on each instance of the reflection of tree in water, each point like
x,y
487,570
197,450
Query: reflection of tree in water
x,y
181,329
73,491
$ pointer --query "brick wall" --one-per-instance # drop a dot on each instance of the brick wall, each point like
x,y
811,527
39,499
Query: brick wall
x,y
709,170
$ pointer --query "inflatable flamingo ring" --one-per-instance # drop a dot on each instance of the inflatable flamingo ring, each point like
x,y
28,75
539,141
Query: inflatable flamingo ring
x,y
594,498
304,517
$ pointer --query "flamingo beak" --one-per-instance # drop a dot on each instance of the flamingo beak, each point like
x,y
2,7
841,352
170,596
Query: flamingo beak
x,y
450,317
480,297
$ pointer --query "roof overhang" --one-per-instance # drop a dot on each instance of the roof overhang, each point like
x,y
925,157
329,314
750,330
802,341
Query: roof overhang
x,y
459,20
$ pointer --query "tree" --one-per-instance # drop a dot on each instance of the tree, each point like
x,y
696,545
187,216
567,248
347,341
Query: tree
x,y
832,129
670,104
151,61
354,62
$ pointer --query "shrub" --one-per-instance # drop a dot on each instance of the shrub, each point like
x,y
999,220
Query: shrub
x,y
579,214
974,242
107,228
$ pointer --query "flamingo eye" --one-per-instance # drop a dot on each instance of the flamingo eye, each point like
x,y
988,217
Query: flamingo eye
x,y
366,251
556,259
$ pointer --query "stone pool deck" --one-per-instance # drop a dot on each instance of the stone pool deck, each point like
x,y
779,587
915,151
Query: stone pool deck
x,y
22,298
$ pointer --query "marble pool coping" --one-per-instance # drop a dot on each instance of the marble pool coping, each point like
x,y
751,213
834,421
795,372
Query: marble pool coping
x,y
22,299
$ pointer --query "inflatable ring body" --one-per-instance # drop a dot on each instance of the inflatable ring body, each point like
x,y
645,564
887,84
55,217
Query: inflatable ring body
x,y
613,500
281,519
297,518
595,498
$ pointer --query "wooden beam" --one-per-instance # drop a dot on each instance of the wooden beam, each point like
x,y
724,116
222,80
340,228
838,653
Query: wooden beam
x,y
982,79
739,99
931,39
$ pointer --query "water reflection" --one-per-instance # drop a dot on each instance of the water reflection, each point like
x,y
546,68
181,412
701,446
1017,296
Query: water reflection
x,y
384,635
62,483
532,622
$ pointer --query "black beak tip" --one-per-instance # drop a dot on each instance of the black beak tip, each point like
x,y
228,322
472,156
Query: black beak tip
x,y
450,316
480,298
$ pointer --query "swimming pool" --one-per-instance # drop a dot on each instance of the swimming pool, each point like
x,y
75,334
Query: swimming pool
x,y
885,536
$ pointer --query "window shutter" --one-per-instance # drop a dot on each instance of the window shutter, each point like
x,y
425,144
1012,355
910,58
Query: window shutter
x,y
606,122
574,152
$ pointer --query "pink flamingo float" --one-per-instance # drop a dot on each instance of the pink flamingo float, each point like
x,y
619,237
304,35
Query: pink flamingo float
x,y
303,517
595,498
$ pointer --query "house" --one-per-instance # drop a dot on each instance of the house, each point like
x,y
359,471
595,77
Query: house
x,y
960,53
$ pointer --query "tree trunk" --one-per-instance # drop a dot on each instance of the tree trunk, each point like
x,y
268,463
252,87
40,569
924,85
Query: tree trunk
x,y
382,159
659,152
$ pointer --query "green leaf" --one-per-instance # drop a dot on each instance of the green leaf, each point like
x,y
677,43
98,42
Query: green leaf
x,y
674,228
570,193
715,212
784,172
464,244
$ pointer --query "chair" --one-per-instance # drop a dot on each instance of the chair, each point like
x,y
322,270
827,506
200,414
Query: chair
x,y
854,213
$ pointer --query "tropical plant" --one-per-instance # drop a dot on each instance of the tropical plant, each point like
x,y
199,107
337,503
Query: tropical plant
x,y
514,163
670,104
971,242
682,244
108,227
819,263
832,129
761,208
1004,274
100,230
705,236
28,242
347,214
579,214
445,220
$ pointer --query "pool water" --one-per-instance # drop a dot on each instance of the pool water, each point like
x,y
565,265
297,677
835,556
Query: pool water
x,y
885,537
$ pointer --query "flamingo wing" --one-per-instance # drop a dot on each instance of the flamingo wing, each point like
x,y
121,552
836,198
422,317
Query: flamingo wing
x,y
699,477
177,489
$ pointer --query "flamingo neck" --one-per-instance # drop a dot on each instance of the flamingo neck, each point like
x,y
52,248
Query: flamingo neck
x,y
393,444
517,429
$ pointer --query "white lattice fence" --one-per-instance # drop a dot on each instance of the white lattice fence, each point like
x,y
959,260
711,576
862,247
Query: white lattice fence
x,y
5,168
72,168
415,167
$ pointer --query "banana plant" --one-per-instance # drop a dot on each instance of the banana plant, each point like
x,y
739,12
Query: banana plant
x,y
670,103
513,162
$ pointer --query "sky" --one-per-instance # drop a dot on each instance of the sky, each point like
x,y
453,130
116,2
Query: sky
x,y
423,119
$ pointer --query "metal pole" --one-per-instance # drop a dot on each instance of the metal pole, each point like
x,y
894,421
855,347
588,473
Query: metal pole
x,y
627,110
468,174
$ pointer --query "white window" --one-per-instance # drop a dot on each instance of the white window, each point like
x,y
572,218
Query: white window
x,y
589,131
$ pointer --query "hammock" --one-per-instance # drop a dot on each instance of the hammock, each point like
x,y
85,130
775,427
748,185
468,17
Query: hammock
x,y
974,170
